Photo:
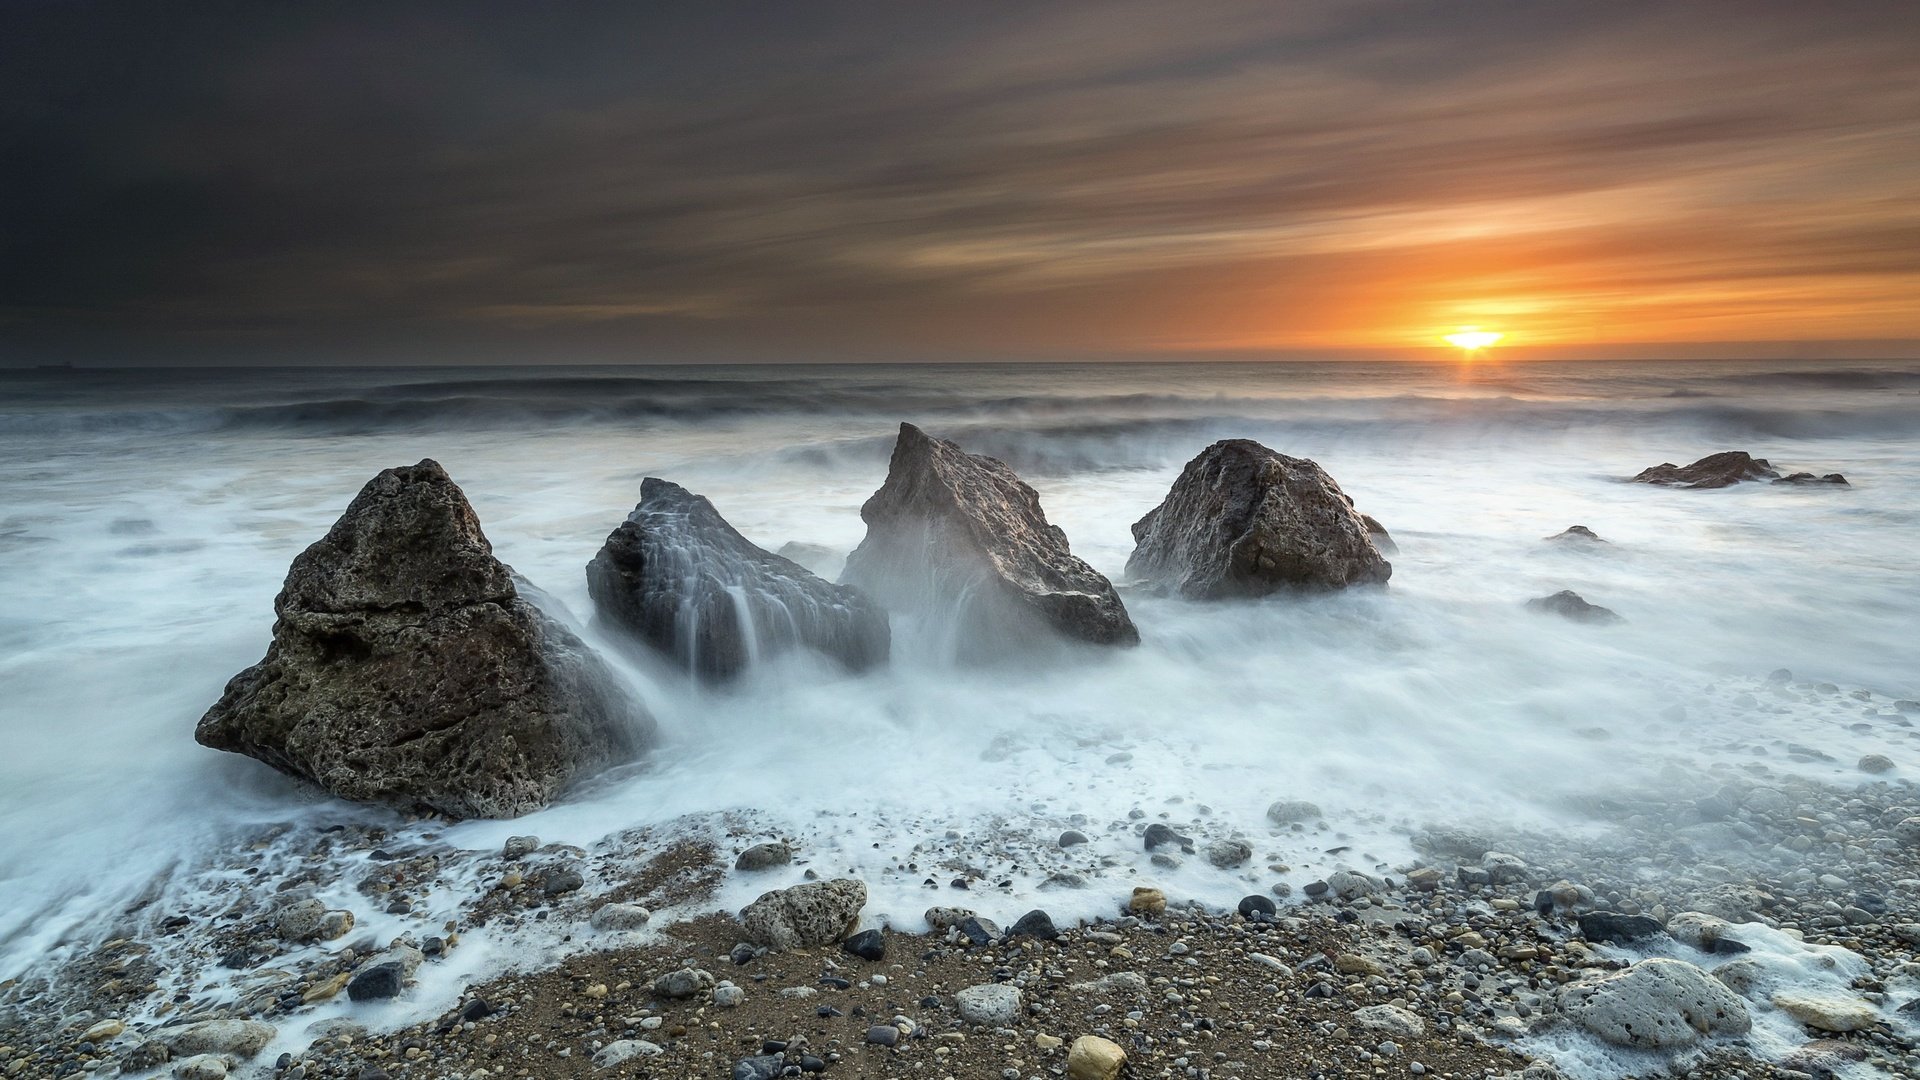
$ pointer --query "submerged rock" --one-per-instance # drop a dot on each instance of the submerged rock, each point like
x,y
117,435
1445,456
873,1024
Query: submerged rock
x,y
681,579
1833,478
407,669
1656,1004
1378,533
1242,520
962,540
1577,534
1720,470
1569,604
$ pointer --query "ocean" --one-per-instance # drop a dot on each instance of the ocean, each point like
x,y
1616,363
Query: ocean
x,y
147,518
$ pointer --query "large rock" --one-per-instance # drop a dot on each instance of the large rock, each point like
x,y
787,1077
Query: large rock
x,y
1720,470
406,668
678,577
1244,521
1656,1004
961,540
809,914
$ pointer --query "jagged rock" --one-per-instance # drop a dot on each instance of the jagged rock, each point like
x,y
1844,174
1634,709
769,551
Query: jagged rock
x,y
407,669
1577,534
1720,470
1569,604
1244,521
960,539
1833,478
681,579
1392,1019
1656,1004
812,913
819,558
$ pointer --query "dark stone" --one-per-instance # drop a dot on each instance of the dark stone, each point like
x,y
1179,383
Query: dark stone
x,y
1833,478
1720,470
1578,534
1615,927
1315,888
146,1056
743,954
811,1064
477,1009
561,880
1543,902
835,982
773,1046
1570,605
883,1035
1071,838
407,669
764,1067
679,578
867,945
979,931
1473,876
1727,946
374,1072
376,983
960,539
1243,520
1159,835
1036,924
1256,906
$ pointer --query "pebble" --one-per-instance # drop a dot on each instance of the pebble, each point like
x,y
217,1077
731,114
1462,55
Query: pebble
x,y
989,1004
764,856
1147,901
518,847
1094,1058
867,945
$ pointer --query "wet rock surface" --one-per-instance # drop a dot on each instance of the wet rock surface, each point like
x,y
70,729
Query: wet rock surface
x,y
1243,520
1724,469
678,577
960,538
1571,605
406,668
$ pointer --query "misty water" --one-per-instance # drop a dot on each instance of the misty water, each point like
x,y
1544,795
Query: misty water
x,y
147,519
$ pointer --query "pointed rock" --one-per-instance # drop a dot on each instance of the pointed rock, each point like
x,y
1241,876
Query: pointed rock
x,y
681,579
1577,534
1243,520
406,668
959,538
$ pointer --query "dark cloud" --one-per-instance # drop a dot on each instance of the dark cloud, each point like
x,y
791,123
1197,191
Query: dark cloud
x,y
662,181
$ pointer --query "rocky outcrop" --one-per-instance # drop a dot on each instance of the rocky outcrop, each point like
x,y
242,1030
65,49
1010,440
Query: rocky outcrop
x,y
1570,605
1243,520
406,668
1805,478
1720,470
678,577
960,540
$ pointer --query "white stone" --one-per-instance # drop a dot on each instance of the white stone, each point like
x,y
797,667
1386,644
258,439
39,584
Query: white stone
x,y
613,918
1391,1019
1655,1004
618,1053
989,1004
1827,1012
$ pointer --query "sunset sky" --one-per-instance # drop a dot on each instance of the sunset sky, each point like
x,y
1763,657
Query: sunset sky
x,y
647,182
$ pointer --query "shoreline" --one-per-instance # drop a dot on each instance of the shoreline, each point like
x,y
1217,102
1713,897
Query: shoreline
x,y
1477,937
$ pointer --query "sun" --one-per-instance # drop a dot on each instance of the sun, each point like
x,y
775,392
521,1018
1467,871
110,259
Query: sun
x,y
1473,339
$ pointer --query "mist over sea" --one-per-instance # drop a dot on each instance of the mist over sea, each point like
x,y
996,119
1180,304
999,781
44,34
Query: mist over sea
x,y
147,519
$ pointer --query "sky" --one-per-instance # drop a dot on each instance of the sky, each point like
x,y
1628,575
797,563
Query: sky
x,y
339,182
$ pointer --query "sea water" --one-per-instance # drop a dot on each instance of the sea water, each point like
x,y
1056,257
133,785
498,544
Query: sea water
x,y
147,518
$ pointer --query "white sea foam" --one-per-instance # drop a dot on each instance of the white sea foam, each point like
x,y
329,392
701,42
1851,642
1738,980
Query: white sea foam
x,y
138,561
